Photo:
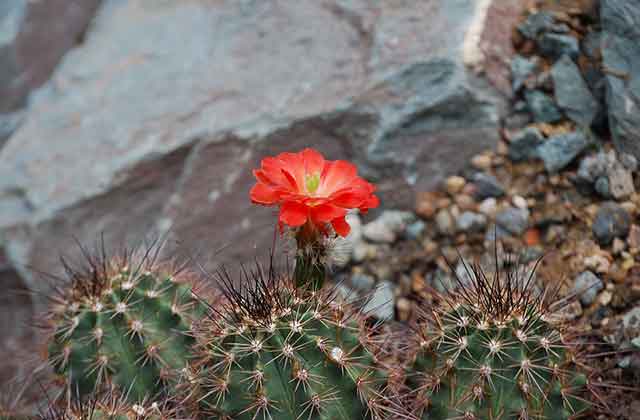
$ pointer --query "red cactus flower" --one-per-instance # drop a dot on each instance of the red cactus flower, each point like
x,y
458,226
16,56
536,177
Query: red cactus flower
x,y
308,188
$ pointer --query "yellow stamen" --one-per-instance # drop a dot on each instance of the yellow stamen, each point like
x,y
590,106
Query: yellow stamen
x,y
312,182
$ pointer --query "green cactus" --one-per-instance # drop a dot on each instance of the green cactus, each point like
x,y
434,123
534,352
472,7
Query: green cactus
x,y
495,349
280,352
123,322
109,405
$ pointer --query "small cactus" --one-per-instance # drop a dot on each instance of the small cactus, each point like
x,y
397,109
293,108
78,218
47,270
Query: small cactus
x,y
276,351
123,322
108,405
495,349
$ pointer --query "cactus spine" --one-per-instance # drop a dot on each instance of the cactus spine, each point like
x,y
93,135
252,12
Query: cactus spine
x,y
280,352
123,322
496,350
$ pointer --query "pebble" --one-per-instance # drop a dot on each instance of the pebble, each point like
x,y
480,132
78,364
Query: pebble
x,y
363,251
560,150
586,286
415,229
481,162
426,204
618,246
556,45
465,202
470,222
602,187
598,263
542,107
521,69
455,184
535,24
633,239
488,207
381,302
513,220
610,222
524,144
362,281
519,202
404,309
388,226
487,186
572,94
444,222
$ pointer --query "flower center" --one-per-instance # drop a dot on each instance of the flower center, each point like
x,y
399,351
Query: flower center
x,y
312,182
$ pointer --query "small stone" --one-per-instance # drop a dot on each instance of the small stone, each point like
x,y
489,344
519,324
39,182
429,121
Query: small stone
x,y
481,162
611,221
555,46
444,222
470,222
524,144
455,184
591,45
381,302
465,202
572,311
404,308
618,246
605,298
633,239
363,251
542,107
517,120
513,220
631,319
572,93
388,226
488,207
443,203
521,69
536,24
602,187
598,263
519,202
362,281
487,186
425,207
620,179
629,161
592,167
560,150
415,229
586,286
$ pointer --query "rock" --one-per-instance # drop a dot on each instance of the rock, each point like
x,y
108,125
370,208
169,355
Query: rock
x,y
542,107
620,179
471,222
519,202
488,207
388,226
445,223
9,122
153,123
572,93
517,120
347,246
586,287
592,45
621,57
416,229
33,38
633,239
524,145
560,150
455,184
495,233
487,186
362,282
629,162
592,167
631,319
602,187
612,221
536,24
513,220
555,46
521,69
381,302
481,162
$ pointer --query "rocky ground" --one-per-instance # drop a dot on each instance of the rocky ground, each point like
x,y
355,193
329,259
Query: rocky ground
x,y
562,184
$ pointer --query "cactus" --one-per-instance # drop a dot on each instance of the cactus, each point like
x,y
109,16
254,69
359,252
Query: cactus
x,y
496,349
108,405
123,321
276,351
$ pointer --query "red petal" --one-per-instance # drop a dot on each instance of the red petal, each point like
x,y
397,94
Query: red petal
x,y
313,161
293,214
290,179
262,194
337,174
325,213
348,198
341,226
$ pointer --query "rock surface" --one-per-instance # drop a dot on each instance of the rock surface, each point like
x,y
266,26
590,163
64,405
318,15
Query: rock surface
x,y
572,93
621,59
560,150
154,122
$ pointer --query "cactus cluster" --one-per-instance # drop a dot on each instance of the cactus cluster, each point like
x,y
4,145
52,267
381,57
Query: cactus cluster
x,y
496,349
277,351
124,322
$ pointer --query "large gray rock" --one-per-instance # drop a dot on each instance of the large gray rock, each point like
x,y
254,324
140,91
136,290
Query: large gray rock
x,y
621,58
154,123
34,35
